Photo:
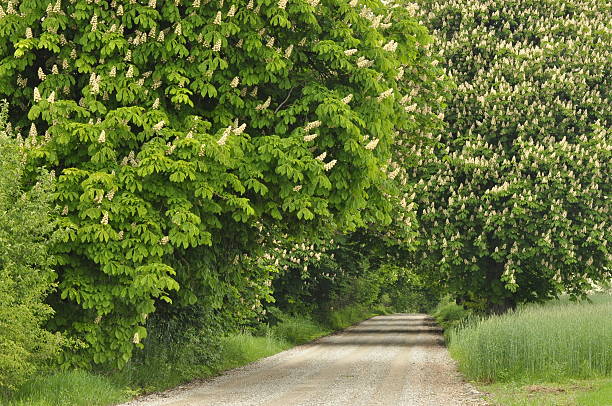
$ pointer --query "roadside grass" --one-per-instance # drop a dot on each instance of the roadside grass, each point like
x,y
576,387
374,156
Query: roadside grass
x,y
170,364
74,388
537,343
570,393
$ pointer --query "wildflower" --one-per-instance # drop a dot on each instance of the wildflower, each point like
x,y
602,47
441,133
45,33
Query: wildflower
x,y
232,11
235,82
51,98
65,211
102,137
270,42
254,92
297,188
41,74
322,156
152,3
104,218
350,52
161,37
310,137
155,104
179,29
217,20
249,6
353,3
282,4
347,99
28,33
110,195
136,338
130,72
217,46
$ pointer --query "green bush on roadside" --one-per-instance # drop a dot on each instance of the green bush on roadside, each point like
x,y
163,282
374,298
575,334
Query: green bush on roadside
x,y
449,314
25,267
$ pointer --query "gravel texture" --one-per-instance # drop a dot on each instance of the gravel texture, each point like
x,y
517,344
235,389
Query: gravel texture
x,y
386,360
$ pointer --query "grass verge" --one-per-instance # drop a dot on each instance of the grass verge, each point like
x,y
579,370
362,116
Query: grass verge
x,y
174,364
570,393
74,388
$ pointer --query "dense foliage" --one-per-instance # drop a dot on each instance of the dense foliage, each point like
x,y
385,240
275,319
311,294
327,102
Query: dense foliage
x,y
515,206
25,266
186,134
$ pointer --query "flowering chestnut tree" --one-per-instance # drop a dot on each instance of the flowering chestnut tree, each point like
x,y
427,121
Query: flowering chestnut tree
x,y
515,205
179,130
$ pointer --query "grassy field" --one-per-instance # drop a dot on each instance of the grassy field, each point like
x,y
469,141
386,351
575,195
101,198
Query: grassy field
x,y
556,354
174,366
538,343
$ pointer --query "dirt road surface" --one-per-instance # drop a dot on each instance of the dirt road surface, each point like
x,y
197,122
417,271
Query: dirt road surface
x,y
396,360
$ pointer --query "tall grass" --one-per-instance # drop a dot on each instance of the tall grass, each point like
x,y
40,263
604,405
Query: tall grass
x,y
549,342
71,388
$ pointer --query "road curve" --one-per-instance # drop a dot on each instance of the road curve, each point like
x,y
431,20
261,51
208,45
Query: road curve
x,y
391,360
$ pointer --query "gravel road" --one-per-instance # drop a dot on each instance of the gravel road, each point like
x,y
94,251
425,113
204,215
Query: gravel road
x,y
386,360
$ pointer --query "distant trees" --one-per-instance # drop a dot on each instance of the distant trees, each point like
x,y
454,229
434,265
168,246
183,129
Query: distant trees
x,y
187,135
25,266
515,205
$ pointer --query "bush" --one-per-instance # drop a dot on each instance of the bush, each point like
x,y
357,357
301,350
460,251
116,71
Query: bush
x,y
538,343
26,276
449,314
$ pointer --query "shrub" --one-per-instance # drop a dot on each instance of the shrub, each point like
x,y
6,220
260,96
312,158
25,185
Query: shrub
x,y
191,129
26,276
449,314
515,207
